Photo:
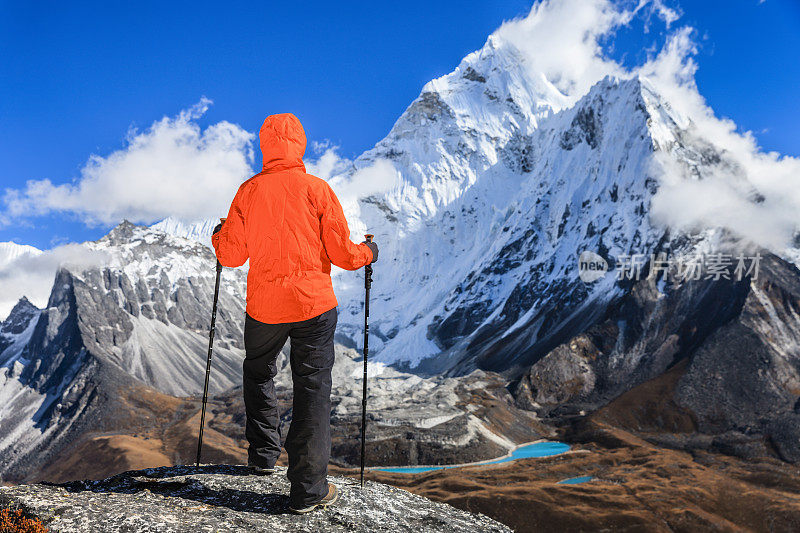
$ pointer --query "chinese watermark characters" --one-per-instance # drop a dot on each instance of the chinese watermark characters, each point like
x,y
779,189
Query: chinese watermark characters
x,y
698,266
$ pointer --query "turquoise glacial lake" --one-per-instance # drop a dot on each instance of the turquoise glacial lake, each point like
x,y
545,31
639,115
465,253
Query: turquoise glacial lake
x,y
537,449
575,480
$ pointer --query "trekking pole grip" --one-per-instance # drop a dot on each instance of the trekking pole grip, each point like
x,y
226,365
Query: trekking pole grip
x,y
368,268
219,265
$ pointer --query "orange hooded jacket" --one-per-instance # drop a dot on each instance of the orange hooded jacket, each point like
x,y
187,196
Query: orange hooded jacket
x,y
291,226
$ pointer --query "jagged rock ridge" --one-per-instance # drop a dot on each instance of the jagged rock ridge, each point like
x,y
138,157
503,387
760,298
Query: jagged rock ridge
x,y
139,319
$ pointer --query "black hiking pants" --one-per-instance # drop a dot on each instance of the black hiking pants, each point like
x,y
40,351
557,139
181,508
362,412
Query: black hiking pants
x,y
308,442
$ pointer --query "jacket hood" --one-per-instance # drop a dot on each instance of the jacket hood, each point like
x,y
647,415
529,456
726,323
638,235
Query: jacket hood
x,y
283,142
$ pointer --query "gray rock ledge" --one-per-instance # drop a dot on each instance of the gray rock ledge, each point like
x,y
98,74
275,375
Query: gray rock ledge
x,y
229,498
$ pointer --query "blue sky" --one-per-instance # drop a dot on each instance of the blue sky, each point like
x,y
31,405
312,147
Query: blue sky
x,y
77,77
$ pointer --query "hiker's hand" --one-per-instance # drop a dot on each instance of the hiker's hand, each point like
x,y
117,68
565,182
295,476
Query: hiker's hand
x,y
219,226
374,248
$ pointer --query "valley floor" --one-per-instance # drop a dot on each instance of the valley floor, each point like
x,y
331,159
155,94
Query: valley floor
x,y
635,487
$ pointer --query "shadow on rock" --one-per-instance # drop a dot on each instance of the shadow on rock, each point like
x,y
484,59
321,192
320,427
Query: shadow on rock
x,y
178,482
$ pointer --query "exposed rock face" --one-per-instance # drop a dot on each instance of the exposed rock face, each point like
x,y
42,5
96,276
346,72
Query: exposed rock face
x,y
732,349
564,374
228,498
15,333
148,310
139,319
16,323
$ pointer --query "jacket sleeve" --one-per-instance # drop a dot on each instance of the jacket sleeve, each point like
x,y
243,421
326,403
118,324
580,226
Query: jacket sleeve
x,y
336,235
229,242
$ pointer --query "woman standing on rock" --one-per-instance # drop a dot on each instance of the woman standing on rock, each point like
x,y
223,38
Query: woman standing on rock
x,y
291,227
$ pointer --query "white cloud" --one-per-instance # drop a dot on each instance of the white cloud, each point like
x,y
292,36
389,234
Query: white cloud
x,y
172,168
378,178
660,8
763,208
328,162
32,275
561,40
757,195
349,184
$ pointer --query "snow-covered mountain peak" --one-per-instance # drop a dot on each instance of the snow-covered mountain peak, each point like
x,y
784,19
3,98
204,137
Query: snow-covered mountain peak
x,y
498,195
456,129
10,251
198,230
127,240
483,115
149,253
503,71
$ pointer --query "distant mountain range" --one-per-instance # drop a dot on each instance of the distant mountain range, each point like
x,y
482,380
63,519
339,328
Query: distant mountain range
x,y
501,186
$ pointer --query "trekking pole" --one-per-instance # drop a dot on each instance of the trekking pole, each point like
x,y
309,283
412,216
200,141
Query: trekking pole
x,y
208,361
367,285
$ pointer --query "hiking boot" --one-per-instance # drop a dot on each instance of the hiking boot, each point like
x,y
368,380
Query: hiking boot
x,y
261,470
327,501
